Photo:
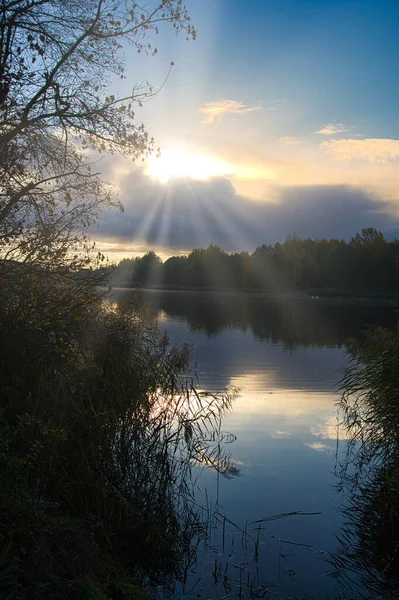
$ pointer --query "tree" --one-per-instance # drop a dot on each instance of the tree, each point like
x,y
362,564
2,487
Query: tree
x,y
369,235
175,270
147,268
123,274
57,59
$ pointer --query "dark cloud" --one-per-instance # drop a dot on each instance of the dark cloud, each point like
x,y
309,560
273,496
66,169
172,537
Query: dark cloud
x,y
190,213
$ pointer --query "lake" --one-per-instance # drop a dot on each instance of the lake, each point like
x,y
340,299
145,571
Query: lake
x,y
286,356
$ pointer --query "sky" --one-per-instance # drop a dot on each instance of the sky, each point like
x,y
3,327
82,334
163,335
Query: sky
x,y
281,118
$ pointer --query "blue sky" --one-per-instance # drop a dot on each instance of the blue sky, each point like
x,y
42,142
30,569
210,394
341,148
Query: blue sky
x,y
275,97
335,60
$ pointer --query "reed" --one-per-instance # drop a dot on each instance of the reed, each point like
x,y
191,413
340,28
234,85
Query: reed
x,y
100,426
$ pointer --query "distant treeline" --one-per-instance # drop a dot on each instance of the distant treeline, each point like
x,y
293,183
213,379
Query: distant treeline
x,y
367,263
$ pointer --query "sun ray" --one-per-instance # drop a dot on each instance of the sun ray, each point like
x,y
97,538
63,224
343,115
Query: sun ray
x,y
200,218
230,230
164,227
150,217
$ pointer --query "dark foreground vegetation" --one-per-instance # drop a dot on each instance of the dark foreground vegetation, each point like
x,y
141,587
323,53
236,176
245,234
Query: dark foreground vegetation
x,y
99,427
366,264
368,557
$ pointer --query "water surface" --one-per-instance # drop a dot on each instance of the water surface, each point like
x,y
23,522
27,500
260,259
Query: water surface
x,y
286,357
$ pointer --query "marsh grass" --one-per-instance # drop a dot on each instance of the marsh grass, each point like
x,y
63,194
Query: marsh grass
x,y
368,556
99,429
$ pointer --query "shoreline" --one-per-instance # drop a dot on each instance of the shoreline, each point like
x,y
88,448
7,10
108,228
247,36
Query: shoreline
x,y
316,296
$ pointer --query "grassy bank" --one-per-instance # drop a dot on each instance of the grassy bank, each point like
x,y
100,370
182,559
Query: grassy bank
x,y
99,427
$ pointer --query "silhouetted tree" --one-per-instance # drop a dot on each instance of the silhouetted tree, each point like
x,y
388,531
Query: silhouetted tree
x,y
367,263
147,270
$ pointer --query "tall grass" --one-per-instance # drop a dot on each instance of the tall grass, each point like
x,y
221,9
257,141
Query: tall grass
x,y
370,396
99,429
368,554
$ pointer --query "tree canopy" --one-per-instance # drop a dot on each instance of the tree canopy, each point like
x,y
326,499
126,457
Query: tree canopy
x,y
57,60
367,263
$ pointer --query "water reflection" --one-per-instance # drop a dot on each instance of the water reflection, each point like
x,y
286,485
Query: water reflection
x,y
295,322
286,357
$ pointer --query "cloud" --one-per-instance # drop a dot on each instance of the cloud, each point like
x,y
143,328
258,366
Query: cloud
x,y
279,435
190,213
332,129
374,150
319,447
253,172
289,141
259,172
329,429
214,110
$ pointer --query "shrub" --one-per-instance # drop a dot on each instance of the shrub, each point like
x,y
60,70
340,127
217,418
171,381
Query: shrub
x,y
99,427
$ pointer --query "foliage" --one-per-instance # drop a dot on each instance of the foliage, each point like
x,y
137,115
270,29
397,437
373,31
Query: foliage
x,y
369,548
99,428
370,395
57,62
368,263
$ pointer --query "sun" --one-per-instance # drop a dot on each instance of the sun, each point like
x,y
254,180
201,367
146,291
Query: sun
x,y
177,163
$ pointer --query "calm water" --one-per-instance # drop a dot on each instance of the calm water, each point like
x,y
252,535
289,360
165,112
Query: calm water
x,y
287,357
